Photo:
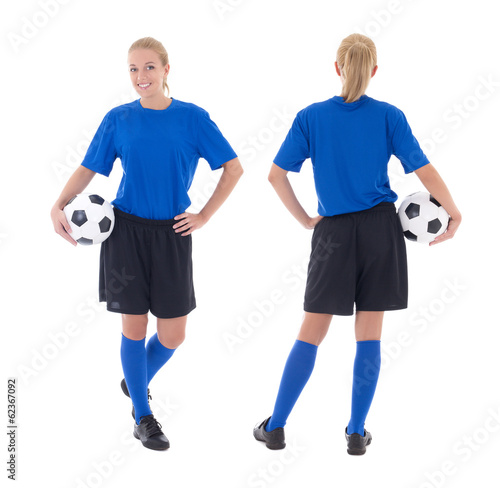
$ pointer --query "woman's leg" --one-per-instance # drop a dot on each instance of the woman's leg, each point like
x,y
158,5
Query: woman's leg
x,y
368,326
314,327
135,326
368,331
172,332
162,345
133,357
299,366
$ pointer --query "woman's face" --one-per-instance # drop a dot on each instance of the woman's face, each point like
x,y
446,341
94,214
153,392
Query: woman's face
x,y
147,72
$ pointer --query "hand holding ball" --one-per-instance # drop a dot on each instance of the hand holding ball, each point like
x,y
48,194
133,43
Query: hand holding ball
x,y
90,217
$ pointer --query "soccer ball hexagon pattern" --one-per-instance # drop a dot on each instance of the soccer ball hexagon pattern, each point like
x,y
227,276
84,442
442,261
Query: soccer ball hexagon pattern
x,y
90,217
422,217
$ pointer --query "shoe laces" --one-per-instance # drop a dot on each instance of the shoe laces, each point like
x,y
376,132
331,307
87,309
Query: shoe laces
x,y
152,426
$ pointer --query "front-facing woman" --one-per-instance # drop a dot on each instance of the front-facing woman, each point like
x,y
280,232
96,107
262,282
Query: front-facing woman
x,y
358,254
146,264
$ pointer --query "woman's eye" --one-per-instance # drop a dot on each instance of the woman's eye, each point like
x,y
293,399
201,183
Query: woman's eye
x,y
135,69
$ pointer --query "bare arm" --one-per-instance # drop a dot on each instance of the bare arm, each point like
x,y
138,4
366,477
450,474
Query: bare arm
x,y
279,179
435,185
189,222
75,185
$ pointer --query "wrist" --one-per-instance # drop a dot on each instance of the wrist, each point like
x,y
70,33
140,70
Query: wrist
x,y
57,206
308,222
204,217
61,203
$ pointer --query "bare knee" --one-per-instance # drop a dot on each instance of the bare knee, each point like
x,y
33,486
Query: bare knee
x,y
135,326
170,340
314,328
172,332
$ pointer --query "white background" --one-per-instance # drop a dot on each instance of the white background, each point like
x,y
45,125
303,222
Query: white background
x,y
435,418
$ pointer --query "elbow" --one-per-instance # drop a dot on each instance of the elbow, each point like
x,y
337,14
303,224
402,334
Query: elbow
x,y
272,179
276,175
238,172
233,168
276,180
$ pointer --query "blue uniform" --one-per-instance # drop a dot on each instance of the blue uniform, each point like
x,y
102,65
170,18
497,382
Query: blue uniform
x,y
159,151
350,145
358,253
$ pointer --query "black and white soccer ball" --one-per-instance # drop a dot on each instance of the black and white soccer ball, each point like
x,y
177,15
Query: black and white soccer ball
x,y
422,217
90,217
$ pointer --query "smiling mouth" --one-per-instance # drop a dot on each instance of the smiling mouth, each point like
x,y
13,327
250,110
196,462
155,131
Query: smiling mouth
x,y
143,85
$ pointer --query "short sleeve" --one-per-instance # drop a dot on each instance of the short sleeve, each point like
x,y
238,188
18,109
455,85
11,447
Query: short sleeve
x,y
404,145
212,145
295,148
101,153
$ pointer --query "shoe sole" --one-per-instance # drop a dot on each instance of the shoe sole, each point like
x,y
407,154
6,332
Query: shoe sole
x,y
275,447
152,448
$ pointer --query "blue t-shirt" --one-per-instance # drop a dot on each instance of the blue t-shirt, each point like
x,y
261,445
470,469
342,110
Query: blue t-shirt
x,y
159,151
350,145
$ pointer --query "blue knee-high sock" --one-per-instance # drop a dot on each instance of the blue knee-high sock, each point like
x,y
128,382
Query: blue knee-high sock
x,y
133,355
364,383
298,369
156,356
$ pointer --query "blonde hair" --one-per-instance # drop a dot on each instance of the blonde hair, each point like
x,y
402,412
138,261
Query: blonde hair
x,y
157,47
356,58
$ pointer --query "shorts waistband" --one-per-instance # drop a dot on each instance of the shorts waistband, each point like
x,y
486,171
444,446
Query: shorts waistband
x,y
382,206
141,220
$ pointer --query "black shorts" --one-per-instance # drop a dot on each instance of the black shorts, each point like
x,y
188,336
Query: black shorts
x,y
358,258
145,265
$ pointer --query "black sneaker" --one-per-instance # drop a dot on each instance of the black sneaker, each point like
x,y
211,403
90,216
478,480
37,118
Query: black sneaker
x,y
150,434
274,439
123,384
356,443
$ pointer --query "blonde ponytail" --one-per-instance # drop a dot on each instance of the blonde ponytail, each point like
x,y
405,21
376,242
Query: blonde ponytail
x,y
356,58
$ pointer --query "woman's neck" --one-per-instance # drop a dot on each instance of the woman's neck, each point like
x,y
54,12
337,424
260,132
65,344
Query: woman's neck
x,y
157,103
